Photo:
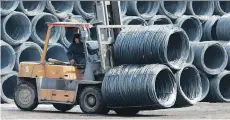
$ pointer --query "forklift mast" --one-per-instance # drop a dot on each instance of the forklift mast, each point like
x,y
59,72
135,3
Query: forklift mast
x,y
111,16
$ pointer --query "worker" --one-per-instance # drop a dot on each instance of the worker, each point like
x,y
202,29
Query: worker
x,y
75,52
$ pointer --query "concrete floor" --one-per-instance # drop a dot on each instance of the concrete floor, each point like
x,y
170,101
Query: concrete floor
x,y
198,111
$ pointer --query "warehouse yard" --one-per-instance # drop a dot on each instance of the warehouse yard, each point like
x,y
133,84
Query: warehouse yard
x,y
201,110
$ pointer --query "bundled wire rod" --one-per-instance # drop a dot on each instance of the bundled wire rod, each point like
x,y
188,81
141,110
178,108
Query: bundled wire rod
x,y
7,57
133,20
60,8
200,8
85,8
173,9
192,26
15,28
159,20
205,85
8,84
164,44
144,9
8,6
39,29
222,28
209,29
32,8
139,85
58,52
123,7
210,57
220,88
226,45
28,51
222,7
190,56
188,85
67,34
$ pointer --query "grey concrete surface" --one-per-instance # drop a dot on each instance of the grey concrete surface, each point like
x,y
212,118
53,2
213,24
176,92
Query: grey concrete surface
x,y
198,111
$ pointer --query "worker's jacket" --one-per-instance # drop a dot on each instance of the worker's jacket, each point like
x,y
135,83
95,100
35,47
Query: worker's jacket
x,y
76,52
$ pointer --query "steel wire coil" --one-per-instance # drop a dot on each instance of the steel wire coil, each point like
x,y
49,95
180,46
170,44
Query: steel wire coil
x,y
222,7
32,8
159,20
190,56
8,6
7,57
133,20
58,52
8,84
164,44
15,28
28,51
143,9
226,45
85,9
210,57
61,9
205,85
123,7
201,9
220,88
139,85
209,29
222,28
39,29
192,26
173,9
188,85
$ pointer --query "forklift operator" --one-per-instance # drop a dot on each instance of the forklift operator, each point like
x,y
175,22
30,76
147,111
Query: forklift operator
x,y
75,52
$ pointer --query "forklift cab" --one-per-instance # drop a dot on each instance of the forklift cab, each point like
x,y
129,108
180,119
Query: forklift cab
x,y
77,27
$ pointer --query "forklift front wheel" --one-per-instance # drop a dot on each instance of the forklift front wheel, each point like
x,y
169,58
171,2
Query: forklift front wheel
x,y
25,96
91,101
62,107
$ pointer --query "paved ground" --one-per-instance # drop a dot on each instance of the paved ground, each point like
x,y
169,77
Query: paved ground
x,y
200,110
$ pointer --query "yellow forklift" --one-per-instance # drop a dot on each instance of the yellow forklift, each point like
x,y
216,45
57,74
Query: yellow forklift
x,y
65,85
58,82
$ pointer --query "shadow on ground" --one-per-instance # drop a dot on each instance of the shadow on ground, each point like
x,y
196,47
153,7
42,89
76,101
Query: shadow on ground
x,y
83,114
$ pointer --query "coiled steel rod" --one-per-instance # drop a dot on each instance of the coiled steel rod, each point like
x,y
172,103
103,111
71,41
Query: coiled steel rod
x,y
189,86
210,57
139,85
164,44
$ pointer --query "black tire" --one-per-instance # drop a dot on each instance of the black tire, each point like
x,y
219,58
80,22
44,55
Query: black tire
x,y
97,106
62,107
31,101
126,111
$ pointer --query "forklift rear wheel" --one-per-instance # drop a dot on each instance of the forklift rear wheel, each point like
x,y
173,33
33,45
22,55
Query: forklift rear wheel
x,y
91,101
25,96
126,111
62,107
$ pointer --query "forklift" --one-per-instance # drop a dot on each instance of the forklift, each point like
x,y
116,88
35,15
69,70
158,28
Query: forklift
x,y
64,85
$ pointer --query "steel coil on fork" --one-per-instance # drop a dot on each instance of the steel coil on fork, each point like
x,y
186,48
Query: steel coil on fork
x,y
139,85
163,44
